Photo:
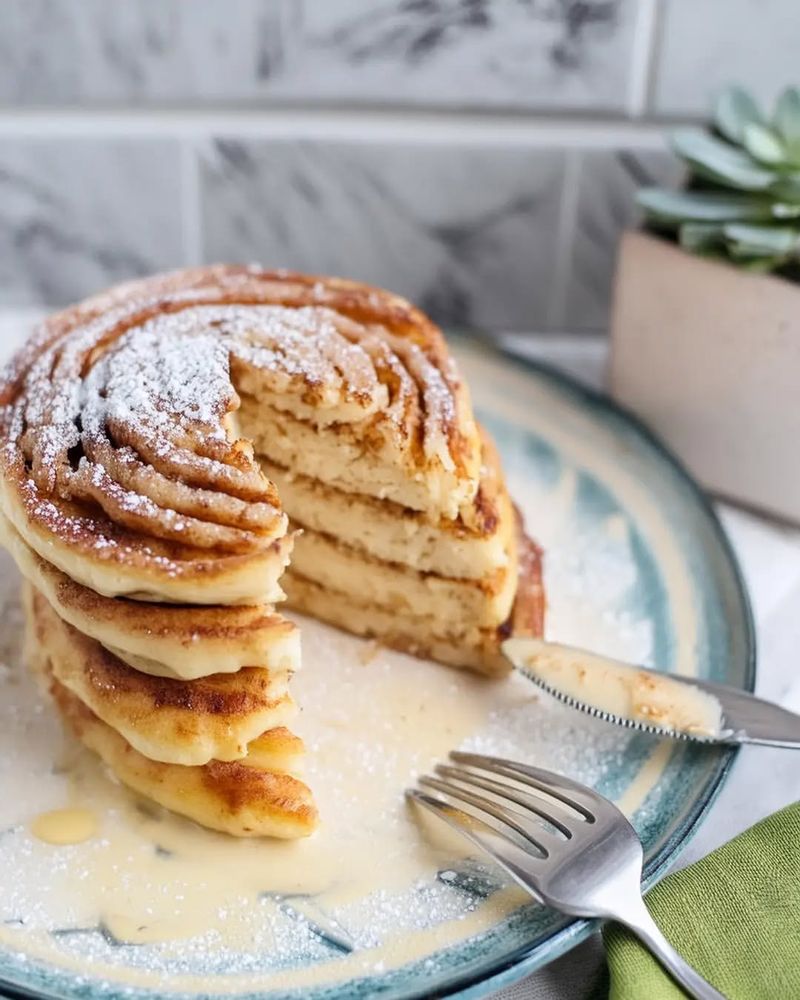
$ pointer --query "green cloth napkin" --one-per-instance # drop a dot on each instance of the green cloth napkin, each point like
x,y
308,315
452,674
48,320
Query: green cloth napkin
x,y
735,916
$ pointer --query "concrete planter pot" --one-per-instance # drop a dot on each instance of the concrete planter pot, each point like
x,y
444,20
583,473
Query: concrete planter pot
x,y
709,356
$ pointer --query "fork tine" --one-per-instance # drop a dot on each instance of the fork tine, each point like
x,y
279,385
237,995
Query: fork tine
x,y
548,809
535,834
570,792
520,864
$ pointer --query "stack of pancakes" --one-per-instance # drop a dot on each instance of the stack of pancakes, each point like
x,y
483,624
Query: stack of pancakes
x,y
170,446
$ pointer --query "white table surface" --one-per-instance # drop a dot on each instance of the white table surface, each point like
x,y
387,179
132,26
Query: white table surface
x,y
762,780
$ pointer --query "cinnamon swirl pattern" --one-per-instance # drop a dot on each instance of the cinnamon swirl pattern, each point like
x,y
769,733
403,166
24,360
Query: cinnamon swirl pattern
x,y
180,454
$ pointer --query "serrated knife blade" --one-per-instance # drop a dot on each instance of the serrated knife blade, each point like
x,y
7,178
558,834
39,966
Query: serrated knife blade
x,y
652,701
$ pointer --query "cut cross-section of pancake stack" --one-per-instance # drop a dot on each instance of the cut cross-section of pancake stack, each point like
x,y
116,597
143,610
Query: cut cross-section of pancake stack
x,y
170,446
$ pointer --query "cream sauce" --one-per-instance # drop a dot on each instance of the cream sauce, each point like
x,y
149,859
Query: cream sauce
x,y
372,723
620,689
64,826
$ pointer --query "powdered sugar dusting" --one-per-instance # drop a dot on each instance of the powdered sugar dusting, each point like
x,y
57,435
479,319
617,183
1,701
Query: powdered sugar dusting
x,y
168,382
158,378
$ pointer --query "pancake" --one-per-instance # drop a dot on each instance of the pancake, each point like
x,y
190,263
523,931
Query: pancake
x,y
278,750
232,797
470,546
485,602
452,618
457,643
119,468
337,456
92,550
163,640
175,721
259,798
182,453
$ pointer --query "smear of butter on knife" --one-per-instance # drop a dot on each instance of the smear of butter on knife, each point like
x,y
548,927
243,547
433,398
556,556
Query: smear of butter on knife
x,y
619,689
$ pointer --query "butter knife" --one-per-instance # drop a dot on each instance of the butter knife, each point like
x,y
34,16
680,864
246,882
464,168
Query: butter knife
x,y
650,701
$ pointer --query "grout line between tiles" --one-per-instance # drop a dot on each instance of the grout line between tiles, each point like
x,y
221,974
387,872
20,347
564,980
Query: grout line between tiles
x,y
567,220
357,126
643,57
190,204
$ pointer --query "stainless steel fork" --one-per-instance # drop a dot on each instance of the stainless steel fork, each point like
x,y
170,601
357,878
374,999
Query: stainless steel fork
x,y
570,847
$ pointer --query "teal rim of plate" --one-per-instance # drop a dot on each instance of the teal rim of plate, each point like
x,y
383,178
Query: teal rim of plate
x,y
509,968
573,932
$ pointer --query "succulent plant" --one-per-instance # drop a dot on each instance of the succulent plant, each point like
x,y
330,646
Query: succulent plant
x,y
742,202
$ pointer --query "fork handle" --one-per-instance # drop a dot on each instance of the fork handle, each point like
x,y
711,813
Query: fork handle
x,y
638,919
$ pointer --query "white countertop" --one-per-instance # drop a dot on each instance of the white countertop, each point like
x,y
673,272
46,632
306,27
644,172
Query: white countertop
x,y
762,780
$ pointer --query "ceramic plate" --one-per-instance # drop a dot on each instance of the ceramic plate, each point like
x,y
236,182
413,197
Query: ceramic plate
x,y
636,566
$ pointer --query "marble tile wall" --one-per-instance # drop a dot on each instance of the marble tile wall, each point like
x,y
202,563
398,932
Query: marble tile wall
x,y
606,187
451,53
463,230
479,156
706,44
77,214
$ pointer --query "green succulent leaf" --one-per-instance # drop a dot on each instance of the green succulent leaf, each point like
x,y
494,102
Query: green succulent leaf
x,y
760,265
742,204
786,209
763,240
763,144
786,121
702,237
674,207
746,251
718,161
735,109
787,189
